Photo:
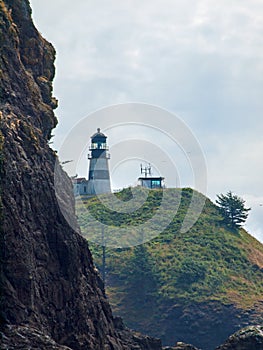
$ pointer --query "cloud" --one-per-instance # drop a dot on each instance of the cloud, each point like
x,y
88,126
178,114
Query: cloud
x,y
184,55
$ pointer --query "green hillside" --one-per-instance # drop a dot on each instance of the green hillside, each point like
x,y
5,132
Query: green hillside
x,y
167,278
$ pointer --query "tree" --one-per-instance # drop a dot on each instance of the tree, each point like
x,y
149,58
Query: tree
x,y
232,209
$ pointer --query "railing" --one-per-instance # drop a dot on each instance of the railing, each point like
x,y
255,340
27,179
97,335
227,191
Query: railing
x,y
95,147
107,156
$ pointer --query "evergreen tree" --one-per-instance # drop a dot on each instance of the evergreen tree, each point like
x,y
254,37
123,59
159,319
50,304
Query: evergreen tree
x,y
232,209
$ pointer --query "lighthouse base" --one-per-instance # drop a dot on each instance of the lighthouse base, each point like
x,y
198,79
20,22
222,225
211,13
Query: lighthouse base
x,y
83,187
96,187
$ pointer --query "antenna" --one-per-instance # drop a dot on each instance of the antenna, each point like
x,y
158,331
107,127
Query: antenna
x,y
147,170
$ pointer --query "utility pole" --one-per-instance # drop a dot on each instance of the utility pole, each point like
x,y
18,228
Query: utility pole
x,y
103,272
142,236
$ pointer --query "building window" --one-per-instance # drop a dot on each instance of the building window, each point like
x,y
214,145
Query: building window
x,y
156,184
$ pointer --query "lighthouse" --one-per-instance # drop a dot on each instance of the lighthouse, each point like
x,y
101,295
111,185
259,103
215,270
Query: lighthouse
x,y
99,176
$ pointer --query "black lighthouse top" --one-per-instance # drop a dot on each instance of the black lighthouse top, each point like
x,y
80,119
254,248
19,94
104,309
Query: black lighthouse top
x,y
98,135
98,144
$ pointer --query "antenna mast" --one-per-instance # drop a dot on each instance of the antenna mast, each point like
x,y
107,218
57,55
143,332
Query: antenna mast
x,y
147,170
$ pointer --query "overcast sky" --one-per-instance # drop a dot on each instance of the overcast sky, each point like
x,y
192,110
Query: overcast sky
x,y
201,60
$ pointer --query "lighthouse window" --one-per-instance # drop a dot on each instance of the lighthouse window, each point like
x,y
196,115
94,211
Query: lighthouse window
x,y
98,145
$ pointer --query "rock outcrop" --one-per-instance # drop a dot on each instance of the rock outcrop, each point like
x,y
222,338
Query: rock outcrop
x,y
181,346
249,338
51,296
206,325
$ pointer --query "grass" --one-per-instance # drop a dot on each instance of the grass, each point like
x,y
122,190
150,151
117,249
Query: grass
x,y
208,262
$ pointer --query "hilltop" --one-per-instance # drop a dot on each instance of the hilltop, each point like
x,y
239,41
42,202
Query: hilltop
x,y
197,286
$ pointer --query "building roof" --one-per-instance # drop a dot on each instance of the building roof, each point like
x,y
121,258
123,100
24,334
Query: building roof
x,y
79,180
98,134
151,178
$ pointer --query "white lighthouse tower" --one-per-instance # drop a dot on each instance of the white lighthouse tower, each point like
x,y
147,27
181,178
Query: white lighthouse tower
x,y
99,176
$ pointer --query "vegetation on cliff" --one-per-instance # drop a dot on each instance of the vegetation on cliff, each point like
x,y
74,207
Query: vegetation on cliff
x,y
211,263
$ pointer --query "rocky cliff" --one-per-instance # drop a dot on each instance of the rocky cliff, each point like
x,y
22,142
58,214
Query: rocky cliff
x,y
249,338
51,296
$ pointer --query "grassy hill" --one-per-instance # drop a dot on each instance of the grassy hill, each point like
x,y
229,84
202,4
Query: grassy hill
x,y
197,286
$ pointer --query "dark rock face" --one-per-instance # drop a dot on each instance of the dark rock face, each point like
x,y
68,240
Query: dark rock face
x,y
50,293
206,325
22,337
249,338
